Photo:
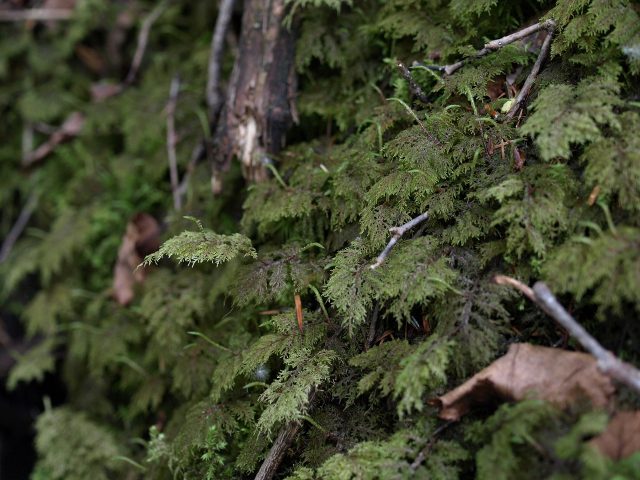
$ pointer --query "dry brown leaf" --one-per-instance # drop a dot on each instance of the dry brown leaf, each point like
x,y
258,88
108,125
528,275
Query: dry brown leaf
x,y
593,196
621,438
527,371
141,238
91,58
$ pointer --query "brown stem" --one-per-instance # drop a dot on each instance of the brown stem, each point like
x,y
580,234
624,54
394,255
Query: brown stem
x,y
397,232
271,463
542,56
415,89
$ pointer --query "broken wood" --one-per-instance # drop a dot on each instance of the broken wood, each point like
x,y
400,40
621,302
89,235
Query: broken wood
x,y
259,106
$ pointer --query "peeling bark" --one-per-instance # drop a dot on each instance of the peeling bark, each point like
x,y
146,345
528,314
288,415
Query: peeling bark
x,y
259,108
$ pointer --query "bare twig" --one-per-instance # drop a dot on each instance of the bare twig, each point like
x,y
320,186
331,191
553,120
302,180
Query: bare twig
x,y
172,139
397,232
423,453
143,39
196,155
542,56
36,14
214,98
493,45
19,226
278,449
608,363
415,89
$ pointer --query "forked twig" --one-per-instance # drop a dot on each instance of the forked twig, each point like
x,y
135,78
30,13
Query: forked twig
x,y
494,45
172,139
608,363
397,232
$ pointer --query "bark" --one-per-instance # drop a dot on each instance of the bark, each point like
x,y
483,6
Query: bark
x,y
259,107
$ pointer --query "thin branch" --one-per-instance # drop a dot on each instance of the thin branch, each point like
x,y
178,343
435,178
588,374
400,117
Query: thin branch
x,y
19,226
36,14
373,325
423,453
608,363
172,139
397,232
143,39
414,88
271,463
542,56
214,98
497,44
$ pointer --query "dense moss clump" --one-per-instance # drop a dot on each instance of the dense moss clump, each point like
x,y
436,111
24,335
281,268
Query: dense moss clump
x,y
211,361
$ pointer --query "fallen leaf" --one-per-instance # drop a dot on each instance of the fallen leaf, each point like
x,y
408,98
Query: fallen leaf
x,y
141,238
298,303
495,88
621,438
558,376
91,58
519,158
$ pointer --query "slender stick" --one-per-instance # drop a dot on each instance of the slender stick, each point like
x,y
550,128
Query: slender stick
x,y
214,98
415,89
172,139
143,39
397,232
35,14
542,56
19,226
608,363
271,463
373,326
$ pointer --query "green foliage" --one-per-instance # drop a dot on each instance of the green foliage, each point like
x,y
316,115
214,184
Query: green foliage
x,y
197,375
89,450
203,246
566,115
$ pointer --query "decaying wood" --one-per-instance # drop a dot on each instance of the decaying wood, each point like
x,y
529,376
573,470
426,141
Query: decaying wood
x,y
270,465
608,363
259,106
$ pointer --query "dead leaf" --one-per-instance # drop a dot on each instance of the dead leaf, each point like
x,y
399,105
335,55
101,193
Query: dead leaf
x,y
298,303
527,371
141,238
91,58
621,438
495,88
519,158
